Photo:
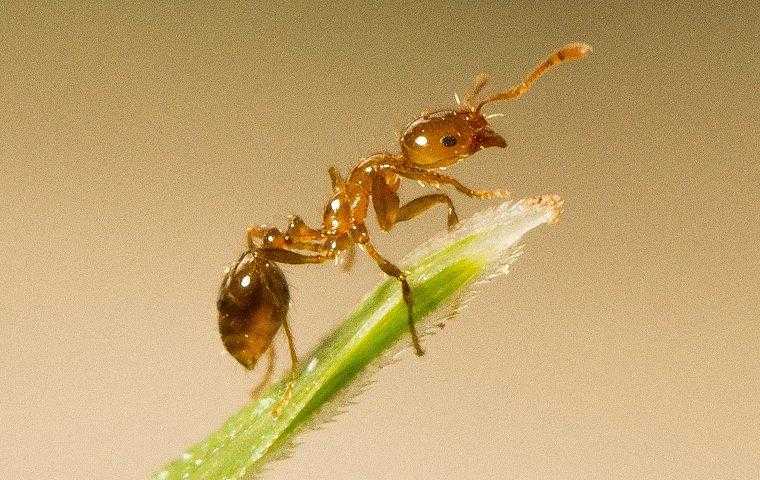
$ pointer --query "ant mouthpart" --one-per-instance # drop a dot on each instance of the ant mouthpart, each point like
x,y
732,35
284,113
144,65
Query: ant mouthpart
x,y
488,138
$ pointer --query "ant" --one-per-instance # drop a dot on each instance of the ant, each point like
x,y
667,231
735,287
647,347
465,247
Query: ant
x,y
254,296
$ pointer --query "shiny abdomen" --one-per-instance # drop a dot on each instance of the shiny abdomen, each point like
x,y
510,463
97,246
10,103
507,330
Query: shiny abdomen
x,y
252,304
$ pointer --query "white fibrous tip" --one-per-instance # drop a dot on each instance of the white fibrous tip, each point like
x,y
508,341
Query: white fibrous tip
x,y
498,228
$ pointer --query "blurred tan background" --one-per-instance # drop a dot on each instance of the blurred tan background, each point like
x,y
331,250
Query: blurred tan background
x,y
137,143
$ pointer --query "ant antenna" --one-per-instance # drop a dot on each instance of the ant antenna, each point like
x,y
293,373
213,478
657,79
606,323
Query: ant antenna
x,y
571,51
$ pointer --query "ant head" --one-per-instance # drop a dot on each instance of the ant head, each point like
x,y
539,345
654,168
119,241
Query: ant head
x,y
445,137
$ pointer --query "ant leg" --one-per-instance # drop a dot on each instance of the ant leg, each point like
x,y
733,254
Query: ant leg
x,y
281,255
390,269
287,395
291,346
420,204
436,179
256,392
385,200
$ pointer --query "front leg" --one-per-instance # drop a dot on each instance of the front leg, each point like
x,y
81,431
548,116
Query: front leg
x,y
436,179
421,204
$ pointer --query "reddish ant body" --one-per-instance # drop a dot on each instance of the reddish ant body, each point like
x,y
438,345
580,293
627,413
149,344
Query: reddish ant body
x,y
253,299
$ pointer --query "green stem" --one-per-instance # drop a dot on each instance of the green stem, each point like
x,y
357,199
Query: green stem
x,y
481,246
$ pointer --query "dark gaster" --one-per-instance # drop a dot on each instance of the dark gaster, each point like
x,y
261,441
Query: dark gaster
x,y
252,304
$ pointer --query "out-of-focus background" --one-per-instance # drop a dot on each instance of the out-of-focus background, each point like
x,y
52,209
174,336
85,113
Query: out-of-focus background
x,y
137,143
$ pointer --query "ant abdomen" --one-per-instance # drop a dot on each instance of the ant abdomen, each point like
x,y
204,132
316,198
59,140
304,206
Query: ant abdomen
x,y
252,305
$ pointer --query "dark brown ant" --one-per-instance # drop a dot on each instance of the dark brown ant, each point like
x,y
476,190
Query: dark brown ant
x,y
254,296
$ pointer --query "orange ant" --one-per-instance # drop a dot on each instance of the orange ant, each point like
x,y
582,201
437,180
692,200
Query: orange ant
x,y
253,299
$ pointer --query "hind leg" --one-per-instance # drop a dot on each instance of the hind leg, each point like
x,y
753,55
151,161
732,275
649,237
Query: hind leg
x,y
282,255
287,395
271,357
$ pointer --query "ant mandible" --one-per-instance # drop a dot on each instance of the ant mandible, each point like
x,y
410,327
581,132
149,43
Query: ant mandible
x,y
253,299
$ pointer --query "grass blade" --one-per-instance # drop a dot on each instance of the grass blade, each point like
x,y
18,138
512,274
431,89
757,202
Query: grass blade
x,y
482,246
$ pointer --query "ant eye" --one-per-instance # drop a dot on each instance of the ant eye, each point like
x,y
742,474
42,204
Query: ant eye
x,y
449,140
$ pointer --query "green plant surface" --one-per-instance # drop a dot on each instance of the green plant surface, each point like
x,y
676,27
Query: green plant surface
x,y
480,247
